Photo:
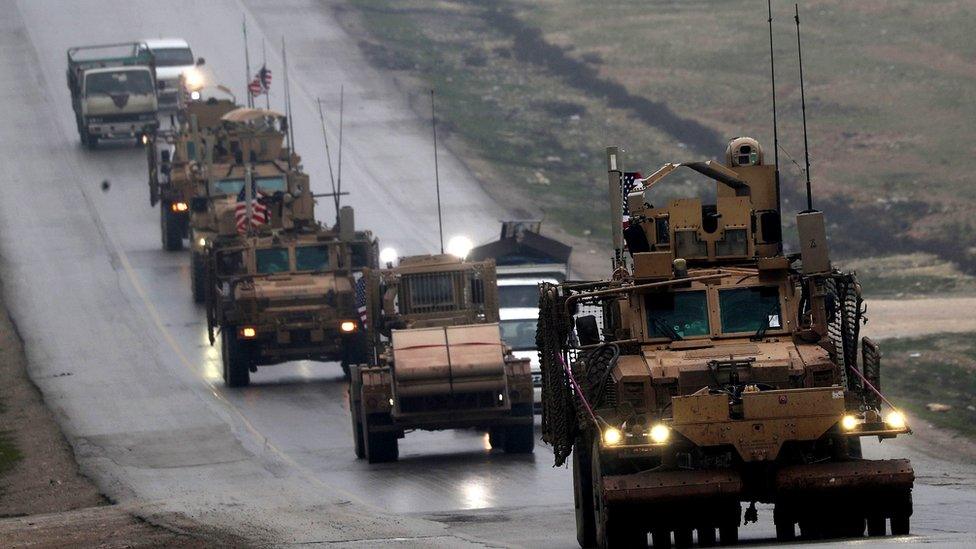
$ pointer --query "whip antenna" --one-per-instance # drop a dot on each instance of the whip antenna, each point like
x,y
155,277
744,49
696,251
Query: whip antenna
x,y
772,78
803,105
437,178
339,175
247,66
328,156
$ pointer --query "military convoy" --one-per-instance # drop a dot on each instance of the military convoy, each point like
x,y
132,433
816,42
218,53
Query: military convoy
x,y
711,370
439,360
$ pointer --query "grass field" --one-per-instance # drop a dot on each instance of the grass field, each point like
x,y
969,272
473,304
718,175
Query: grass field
x,y
532,91
936,369
9,454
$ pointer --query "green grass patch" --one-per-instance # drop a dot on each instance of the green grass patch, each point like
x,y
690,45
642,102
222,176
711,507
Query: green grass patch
x,y
909,275
939,369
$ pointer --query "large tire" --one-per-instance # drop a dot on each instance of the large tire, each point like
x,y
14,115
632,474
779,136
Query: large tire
x,y
170,229
583,494
236,363
355,411
520,439
613,526
380,446
198,277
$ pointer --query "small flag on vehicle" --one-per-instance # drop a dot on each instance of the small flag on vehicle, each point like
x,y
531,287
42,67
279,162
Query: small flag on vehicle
x,y
261,84
260,215
629,183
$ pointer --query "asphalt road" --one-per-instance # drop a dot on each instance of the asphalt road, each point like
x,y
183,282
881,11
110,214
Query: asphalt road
x,y
121,353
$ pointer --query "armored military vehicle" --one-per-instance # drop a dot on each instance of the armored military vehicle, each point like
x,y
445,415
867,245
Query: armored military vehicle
x,y
711,370
280,295
113,91
438,360
175,157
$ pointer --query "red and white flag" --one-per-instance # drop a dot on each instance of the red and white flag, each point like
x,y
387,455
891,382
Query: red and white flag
x,y
261,83
260,214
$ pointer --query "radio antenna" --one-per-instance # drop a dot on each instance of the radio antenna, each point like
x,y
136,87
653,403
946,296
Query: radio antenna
x,y
803,105
328,156
772,78
342,95
247,65
291,127
437,178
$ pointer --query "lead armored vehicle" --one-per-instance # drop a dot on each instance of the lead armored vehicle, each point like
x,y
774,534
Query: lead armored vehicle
x,y
438,359
710,370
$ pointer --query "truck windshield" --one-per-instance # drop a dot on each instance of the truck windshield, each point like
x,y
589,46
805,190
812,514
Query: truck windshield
x,y
271,260
115,82
173,57
267,185
519,334
749,309
311,258
230,263
518,296
686,313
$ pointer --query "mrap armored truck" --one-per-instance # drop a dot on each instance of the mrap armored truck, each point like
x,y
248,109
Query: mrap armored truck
x,y
711,370
438,360
113,91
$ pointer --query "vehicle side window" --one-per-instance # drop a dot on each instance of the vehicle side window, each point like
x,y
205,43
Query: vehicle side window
x,y
360,255
230,263
272,260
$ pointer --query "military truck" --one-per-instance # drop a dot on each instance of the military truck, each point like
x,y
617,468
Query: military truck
x,y
281,295
113,91
174,159
438,360
711,370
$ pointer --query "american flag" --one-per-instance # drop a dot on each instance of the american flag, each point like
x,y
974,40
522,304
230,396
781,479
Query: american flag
x,y
260,215
628,185
261,83
360,281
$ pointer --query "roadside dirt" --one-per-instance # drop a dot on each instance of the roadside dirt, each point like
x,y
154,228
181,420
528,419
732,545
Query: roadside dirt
x,y
888,318
44,500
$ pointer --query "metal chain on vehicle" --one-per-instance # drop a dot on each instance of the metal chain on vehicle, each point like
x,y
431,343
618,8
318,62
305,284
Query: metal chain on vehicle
x,y
844,325
560,422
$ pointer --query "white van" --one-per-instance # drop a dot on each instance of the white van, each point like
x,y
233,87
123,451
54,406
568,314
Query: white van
x,y
518,332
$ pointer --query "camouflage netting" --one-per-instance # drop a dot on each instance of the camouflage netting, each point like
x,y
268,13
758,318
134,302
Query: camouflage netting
x,y
846,314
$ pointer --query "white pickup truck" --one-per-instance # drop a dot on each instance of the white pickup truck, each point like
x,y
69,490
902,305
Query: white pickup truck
x,y
174,59
113,91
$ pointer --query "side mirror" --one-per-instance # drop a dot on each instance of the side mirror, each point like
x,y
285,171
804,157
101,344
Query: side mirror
x,y
587,330
201,61
198,204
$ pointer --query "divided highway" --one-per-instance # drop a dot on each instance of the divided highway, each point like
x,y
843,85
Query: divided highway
x,y
121,352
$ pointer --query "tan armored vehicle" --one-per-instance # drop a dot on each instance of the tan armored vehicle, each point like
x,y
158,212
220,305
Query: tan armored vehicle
x,y
175,156
711,370
286,295
439,360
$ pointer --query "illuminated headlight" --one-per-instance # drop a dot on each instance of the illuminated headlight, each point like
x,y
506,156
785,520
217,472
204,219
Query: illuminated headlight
x,y
388,256
612,436
347,326
145,139
849,422
660,433
179,206
195,95
248,332
193,79
459,246
202,242
896,420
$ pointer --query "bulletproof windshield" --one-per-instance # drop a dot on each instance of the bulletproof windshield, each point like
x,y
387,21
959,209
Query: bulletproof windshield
x,y
749,309
267,185
116,82
429,292
518,296
230,263
519,334
271,260
680,314
173,57
311,258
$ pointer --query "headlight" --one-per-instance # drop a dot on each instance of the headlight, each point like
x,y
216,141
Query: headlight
x,y
193,79
145,139
849,422
388,256
612,436
459,246
195,95
248,332
660,433
202,242
179,206
895,420
347,326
